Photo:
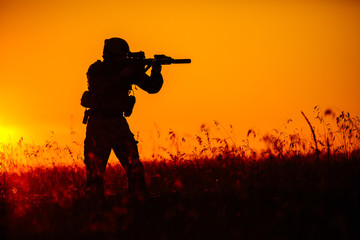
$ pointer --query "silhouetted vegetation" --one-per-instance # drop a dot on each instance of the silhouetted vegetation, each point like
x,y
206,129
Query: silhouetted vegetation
x,y
289,190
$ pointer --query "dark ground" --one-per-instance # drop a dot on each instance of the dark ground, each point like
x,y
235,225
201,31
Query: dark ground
x,y
225,199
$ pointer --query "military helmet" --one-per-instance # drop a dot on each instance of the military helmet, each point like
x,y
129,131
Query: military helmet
x,y
115,45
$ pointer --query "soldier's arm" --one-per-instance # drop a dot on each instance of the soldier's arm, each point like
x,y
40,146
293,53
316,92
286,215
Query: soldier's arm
x,y
152,83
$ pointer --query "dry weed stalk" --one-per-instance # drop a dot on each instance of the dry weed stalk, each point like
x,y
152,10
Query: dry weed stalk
x,y
314,136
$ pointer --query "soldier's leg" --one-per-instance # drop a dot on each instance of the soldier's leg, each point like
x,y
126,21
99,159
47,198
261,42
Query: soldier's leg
x,y
128,155
96,156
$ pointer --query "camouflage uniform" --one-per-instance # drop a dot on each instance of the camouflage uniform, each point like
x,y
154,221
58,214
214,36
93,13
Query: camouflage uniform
x,y
109,85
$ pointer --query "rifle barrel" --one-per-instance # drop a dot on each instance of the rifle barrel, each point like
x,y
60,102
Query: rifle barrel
x,y
181,61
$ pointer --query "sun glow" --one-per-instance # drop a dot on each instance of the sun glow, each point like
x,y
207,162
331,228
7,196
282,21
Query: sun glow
x,y
8,134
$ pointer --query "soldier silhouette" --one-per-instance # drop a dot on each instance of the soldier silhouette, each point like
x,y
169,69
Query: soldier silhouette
x,y
107,101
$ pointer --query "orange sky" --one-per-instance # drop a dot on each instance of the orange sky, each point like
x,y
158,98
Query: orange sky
x,y
255,64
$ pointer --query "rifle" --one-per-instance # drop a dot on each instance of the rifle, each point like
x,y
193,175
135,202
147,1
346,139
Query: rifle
x,y
160,59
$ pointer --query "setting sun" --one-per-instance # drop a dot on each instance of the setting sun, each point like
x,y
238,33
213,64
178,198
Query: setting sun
x,y
9,134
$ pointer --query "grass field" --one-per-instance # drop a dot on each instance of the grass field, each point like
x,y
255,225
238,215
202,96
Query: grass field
x,y
293,189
